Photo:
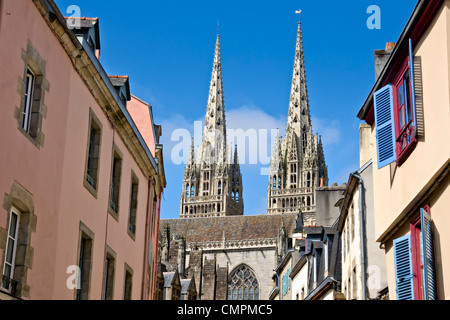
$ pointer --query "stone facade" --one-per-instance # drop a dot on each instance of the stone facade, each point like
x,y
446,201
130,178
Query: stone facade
x,y
218,246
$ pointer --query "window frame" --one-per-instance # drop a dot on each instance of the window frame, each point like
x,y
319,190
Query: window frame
x,y
403,153
27,108
417,254
128,283
116,179
109,275
133,205
95,150
12,265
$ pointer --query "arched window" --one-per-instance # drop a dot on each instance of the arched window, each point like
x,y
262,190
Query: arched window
x,y
219,188
243,284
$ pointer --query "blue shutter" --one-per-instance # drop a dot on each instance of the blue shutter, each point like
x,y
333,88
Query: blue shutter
x,y
428,260
413,90
385,128
289,278
403,268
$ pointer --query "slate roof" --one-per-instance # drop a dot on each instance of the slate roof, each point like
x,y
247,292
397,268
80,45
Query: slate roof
x,y
234,227
84,22
185,283
118,81
168,278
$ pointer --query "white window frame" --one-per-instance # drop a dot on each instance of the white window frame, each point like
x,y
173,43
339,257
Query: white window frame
x,y
28,100
13,263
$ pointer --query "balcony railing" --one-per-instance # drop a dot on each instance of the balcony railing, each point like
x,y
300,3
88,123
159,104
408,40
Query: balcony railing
x,y
297,191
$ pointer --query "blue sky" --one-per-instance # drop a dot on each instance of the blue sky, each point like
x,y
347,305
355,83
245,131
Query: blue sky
x,y
167,49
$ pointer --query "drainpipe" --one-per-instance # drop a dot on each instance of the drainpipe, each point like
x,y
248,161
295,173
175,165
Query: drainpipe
x,y
363,233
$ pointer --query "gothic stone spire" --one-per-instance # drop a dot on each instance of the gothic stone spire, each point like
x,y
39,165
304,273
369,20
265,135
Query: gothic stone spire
x,y
212,184
214,135
292,182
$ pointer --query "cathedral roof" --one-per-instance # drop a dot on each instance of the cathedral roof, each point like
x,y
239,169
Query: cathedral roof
x,y
233,228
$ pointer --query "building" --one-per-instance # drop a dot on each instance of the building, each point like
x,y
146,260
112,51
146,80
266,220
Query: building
x,y
232,256
363,262
212,184
81,182
407,111
311,269
298,163
188,289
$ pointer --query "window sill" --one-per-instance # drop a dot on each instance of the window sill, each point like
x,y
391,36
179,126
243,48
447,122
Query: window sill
x,y
131,234
113,213
38,143
404,155
90,188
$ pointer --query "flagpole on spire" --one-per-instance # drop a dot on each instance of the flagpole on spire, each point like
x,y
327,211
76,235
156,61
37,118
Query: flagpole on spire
x,y
299,12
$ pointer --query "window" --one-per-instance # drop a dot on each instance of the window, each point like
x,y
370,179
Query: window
x,y
28,101
11,249
110,264
17,255
128,283
403,112
115,182
133,205
32,89
93,154
243,284
219,188
85,265
414,261
395,116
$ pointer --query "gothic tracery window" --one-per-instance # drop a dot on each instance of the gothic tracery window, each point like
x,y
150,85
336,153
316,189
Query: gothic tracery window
x,y
243,284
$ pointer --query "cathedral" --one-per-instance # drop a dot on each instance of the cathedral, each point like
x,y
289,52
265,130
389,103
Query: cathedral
x,y
228,255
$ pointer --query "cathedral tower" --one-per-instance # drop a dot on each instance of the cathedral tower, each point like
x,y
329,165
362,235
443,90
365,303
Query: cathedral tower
x,y
212,183
298,162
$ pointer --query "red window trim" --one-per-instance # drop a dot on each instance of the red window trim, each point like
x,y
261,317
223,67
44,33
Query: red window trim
x,y
416,255
402,155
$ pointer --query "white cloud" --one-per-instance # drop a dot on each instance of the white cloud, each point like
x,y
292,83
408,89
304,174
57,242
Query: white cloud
x,y
329,130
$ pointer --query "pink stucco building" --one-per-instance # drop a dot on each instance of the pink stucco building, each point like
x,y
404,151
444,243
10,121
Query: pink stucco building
x,y
81,167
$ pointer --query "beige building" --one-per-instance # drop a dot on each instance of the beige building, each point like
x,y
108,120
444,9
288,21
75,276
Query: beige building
x,y
363,262
408,110
81,185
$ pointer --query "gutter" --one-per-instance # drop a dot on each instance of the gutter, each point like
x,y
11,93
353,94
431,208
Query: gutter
x,y
329,281
363,233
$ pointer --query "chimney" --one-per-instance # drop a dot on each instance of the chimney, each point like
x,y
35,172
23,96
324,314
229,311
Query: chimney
x,y
381,58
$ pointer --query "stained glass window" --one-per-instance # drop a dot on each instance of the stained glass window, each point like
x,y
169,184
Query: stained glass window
x,y
243,284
